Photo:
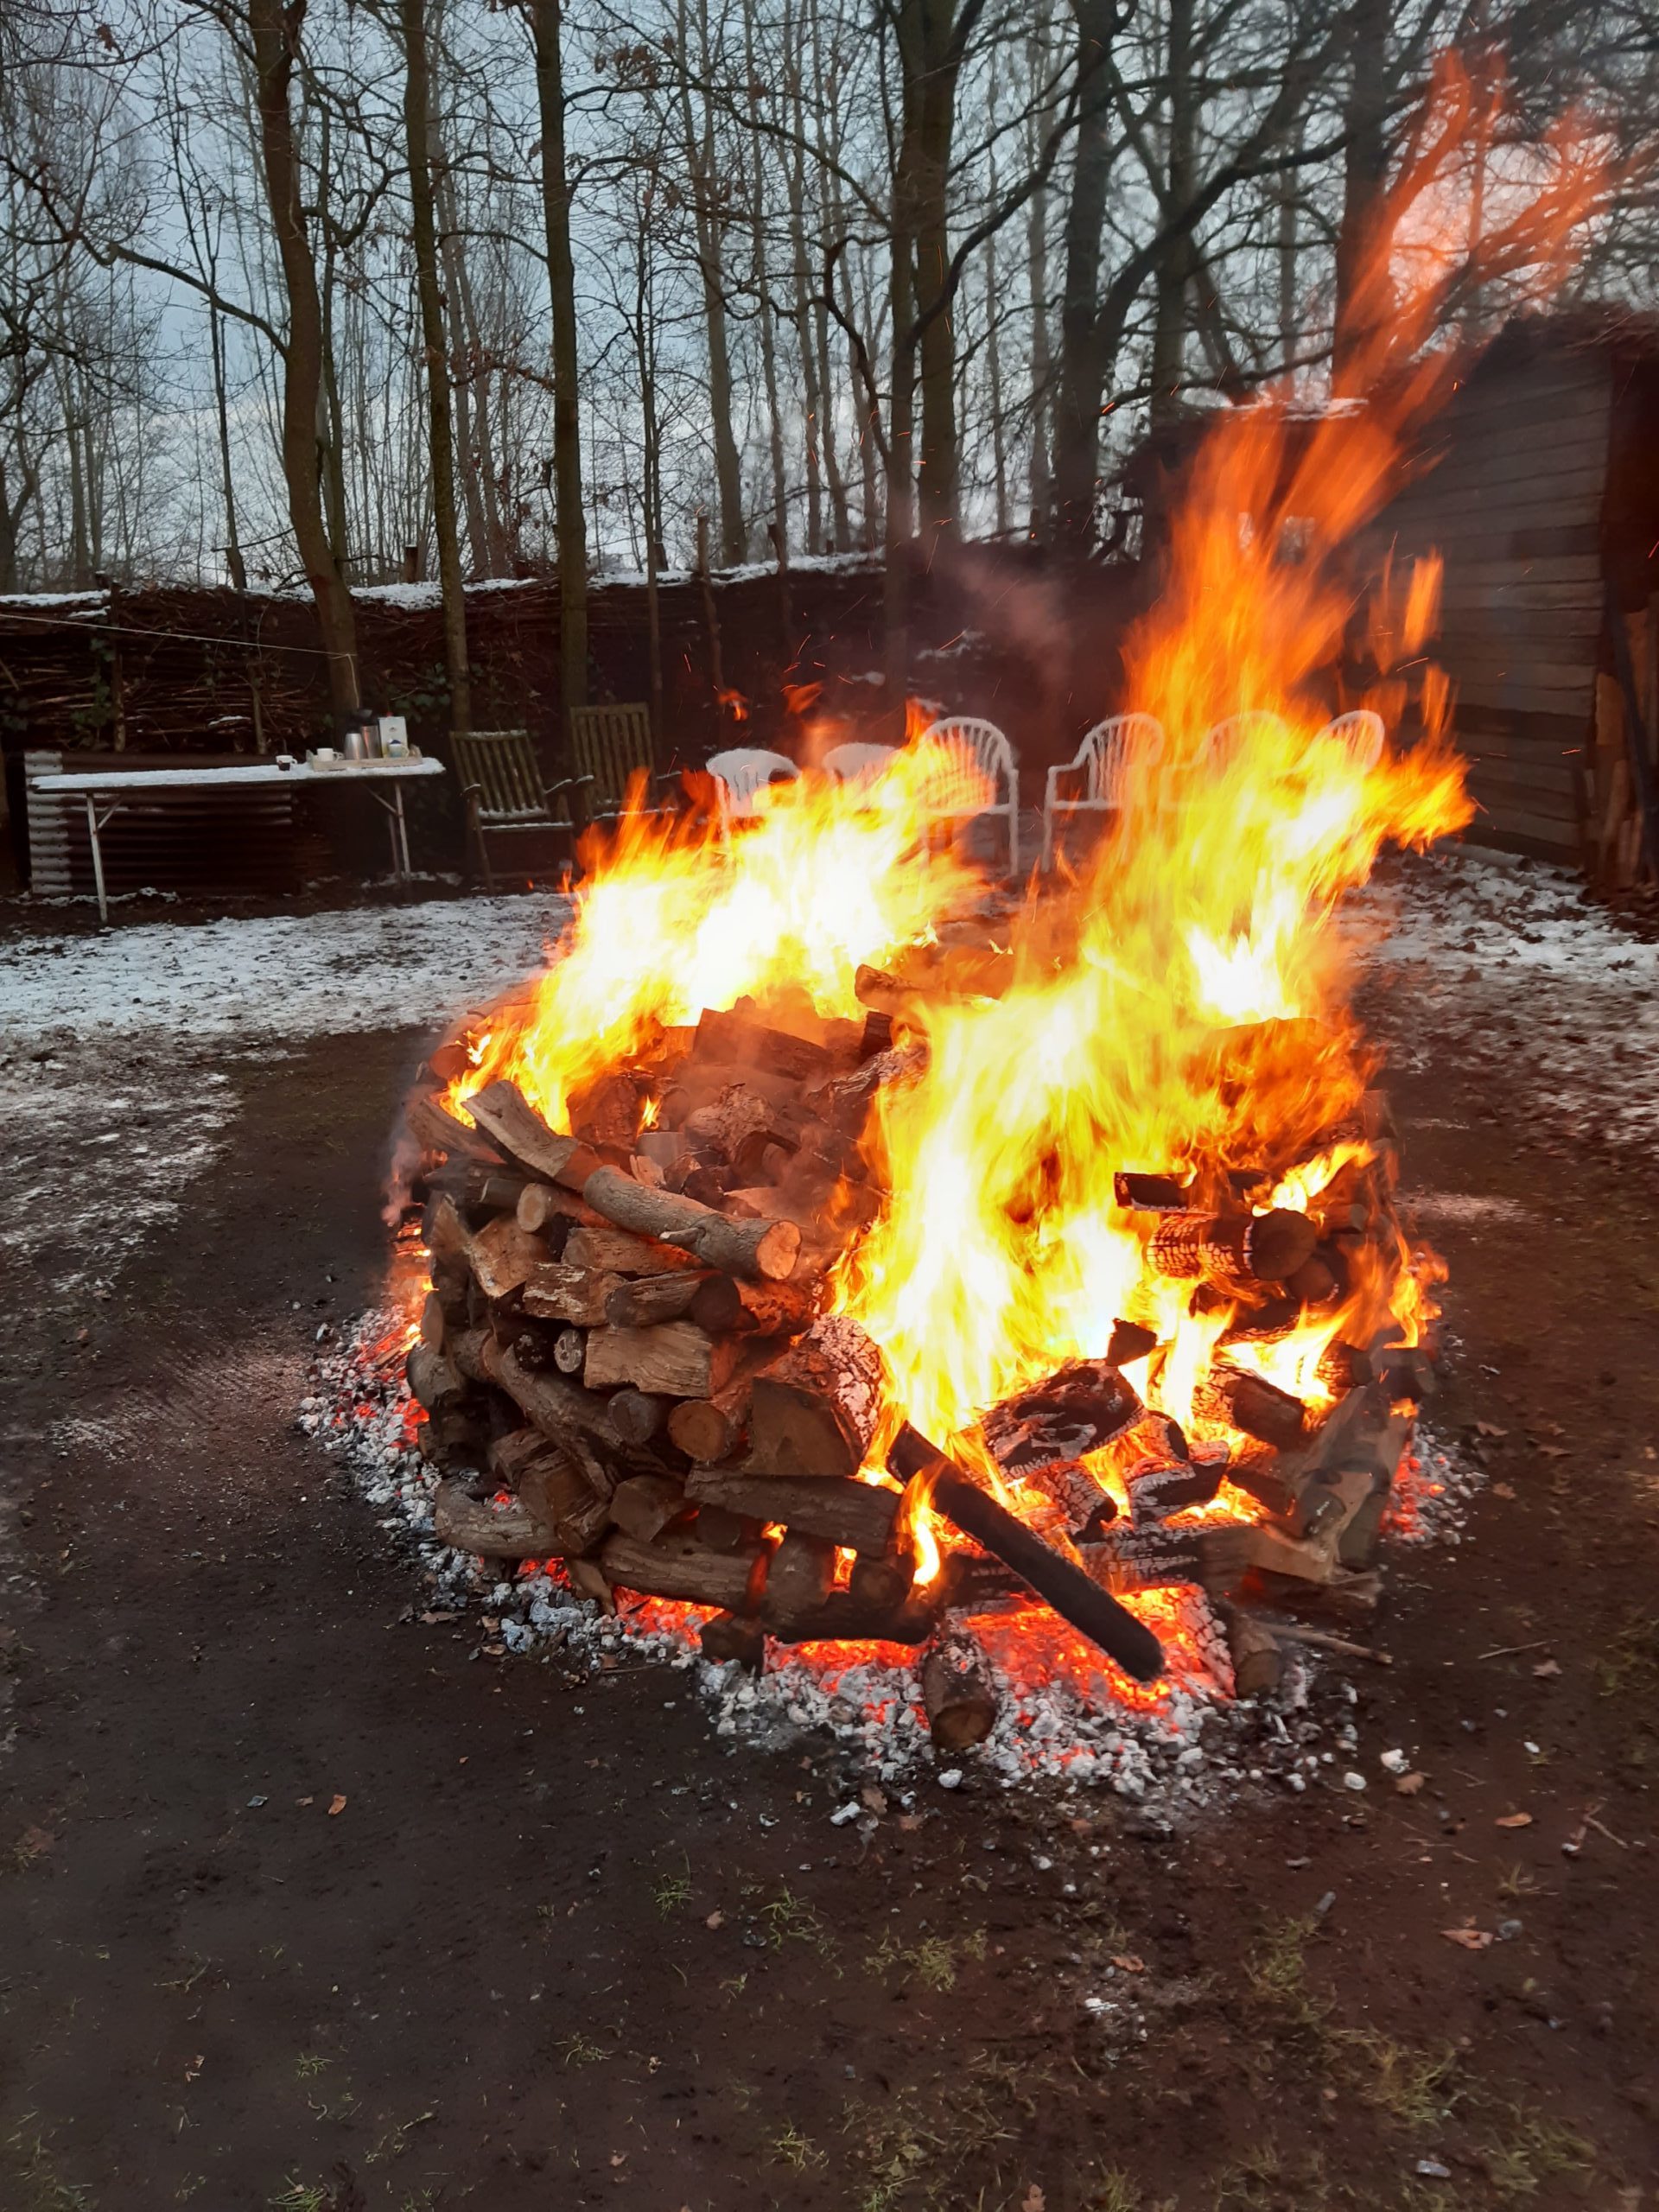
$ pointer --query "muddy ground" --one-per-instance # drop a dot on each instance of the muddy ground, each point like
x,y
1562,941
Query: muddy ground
x,y
305,1904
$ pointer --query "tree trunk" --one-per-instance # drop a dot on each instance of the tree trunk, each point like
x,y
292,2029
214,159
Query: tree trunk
x,y
936,96
1084,343
547,28
700,157
1365,181
1176,267
417,136
1041,480
233,560
780,531
994,375
275,31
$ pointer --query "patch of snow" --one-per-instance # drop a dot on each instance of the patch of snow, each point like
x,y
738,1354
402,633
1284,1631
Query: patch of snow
x,y
274,977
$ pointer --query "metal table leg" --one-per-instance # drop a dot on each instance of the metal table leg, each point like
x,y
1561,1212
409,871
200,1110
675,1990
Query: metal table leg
x,y
98,860
402,827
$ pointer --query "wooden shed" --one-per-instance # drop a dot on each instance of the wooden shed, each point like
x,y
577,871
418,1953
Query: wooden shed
x,y
1539,487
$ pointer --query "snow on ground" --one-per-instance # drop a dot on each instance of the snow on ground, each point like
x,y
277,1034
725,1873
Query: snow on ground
x,y
273,977
1521,968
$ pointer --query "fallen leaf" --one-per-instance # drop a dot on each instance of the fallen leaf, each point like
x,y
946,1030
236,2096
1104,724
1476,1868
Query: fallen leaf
x,y
1409,1784
909,1822
1550,1450
1126,1963
716,1920
1489,1429
1546,1670
1033,2200
1471,1939
872,1799
1514,1820
194,2067
618,2157
1504,1490
305,1801
336,1804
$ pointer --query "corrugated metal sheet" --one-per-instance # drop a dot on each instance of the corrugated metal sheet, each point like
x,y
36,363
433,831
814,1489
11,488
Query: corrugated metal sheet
x,y
176,841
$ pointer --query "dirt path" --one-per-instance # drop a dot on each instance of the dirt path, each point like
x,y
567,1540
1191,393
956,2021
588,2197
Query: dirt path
x,y
563,1946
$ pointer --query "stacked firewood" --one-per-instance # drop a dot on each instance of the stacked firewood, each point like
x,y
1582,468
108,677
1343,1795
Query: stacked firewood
x,y
628,1363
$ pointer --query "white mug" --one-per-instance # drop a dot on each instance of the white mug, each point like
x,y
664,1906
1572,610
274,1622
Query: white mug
x,y
325,753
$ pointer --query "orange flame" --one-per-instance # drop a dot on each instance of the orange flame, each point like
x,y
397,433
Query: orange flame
x,y
1179,1007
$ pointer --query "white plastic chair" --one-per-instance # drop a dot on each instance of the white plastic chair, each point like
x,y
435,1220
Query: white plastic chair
x,y
741,774
984,752
1220,738
1103,760
1361,730
858,764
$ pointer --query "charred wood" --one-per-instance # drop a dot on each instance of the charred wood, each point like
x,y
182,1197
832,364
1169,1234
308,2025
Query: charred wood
x,y
813,1410
958,1694
1242,1249
729,1636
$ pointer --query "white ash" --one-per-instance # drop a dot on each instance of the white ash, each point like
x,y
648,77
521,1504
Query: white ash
x,y
1437,1484
1197,1747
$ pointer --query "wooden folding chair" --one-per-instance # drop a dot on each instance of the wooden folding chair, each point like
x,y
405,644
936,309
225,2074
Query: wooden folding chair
x,y
505,791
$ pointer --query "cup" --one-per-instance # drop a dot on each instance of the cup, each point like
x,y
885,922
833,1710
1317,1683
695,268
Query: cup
x,y
325,753
284,762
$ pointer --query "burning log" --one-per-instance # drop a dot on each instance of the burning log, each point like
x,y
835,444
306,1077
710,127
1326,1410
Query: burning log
x,y
746,1248
1233,1251
1089,1609
1160,1487
813,1410
675,1359
514,1126
859,1517
959,1694
1238,1399
1081,1408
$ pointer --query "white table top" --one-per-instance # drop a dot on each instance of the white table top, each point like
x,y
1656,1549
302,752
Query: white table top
x,y
120,779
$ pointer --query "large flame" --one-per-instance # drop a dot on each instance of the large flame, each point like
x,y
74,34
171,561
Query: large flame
x,y
1179,1007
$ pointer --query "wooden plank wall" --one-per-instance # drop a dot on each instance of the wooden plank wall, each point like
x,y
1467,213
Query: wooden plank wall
x,y
1514,503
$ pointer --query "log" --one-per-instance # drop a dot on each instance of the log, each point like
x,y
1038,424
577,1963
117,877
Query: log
x,y
467,1348
1083,1407
614,1251
729,1636
813,1410
511,1454
606,1113
725,1306
638,1415
745,1248
470,1524
1151,1193
677,1566
443,1232
1240,1400
675,1358
434,1379
561,1410
1078,1601
1230,1250
1086,1506
1257,1655
543,1207
556,1291
505,1116
1127,1558
735,1038
800,1576
1159,1487
566,1489
959,1694
435,1129
432,1321
496,1190
642,1303
881,1584
503,1256
645,1505
571,1351
1129,1341
587,1579
859,1517
843,1618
